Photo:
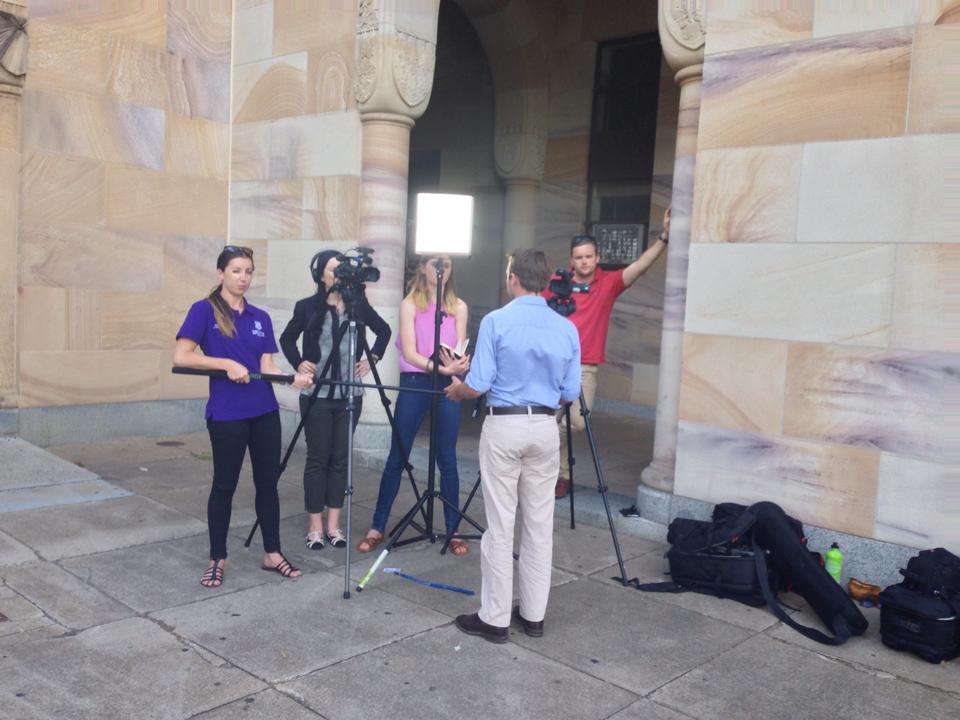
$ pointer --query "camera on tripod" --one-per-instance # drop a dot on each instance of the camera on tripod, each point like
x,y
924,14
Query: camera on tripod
x,y
355,270
563,287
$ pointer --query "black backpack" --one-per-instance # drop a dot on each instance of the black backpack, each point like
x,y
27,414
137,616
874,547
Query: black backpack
x,y
920,614
748,555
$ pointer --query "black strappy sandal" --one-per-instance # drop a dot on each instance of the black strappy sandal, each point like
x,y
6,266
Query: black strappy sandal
x,y
213,577
284,568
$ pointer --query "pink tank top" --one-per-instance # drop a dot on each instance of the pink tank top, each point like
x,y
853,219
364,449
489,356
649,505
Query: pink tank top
x,y
423,330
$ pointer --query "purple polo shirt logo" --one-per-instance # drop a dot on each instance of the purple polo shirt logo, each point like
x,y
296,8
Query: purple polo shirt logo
x,y
257,329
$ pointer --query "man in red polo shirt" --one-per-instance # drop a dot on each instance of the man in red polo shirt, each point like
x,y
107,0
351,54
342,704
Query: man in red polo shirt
x,y
592,319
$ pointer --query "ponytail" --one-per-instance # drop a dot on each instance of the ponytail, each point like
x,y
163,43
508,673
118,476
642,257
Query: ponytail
x,y
222,312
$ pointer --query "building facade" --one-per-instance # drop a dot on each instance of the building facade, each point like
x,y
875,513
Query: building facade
x,y
799,343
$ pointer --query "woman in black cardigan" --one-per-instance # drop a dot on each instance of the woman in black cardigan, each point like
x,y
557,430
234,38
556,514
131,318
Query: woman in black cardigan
x,y
318,319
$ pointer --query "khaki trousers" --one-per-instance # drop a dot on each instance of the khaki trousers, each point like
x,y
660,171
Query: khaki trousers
x,y
588,383
519,457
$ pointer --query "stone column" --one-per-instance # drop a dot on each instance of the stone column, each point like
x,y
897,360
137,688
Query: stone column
x,y
520,145
13,67
396,52
682,37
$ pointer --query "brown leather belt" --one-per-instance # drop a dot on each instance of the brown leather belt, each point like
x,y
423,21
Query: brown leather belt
x,y
521,410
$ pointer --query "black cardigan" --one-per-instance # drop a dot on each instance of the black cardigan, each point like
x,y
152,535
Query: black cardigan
x,y
302,324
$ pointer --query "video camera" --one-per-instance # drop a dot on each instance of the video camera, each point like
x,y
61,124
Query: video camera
x,y
354,271
563,287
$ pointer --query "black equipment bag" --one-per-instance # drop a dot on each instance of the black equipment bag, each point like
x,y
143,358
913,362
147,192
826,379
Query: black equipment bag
x,y
920,614
714,558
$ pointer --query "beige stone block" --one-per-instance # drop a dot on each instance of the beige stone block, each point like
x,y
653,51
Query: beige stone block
x,y
163,202
142,20
646,378
57,378
312,24
894,190
852,86
567,158
9,177
831,486
746,194
288,272
270,209
61,189
316,145
331,208
918,503
270,89
200,30
738,25
250,151
198,147
9,122
68,57
791,291
253,32
145,321
838,18
86,256
329,78
934,86
54,318
925,311
890,400
190,266
91,127
9,205
735,383
145,75
178,387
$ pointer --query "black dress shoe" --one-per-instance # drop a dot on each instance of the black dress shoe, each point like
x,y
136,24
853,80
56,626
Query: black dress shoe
x,y
533,629
473,625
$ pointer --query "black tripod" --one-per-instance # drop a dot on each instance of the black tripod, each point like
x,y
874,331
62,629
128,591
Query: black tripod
x,y
601,483
351,327
425,503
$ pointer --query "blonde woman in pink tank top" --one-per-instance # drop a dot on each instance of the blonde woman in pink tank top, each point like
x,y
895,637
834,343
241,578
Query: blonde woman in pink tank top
x,y
417,313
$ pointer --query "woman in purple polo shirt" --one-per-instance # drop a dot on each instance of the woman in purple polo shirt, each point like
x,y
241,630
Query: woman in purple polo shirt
x,y
237,337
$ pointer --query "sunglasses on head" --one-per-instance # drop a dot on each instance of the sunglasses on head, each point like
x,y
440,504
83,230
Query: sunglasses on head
x,y
238,250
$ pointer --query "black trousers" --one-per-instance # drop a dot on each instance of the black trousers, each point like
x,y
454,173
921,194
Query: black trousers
x,y
325,471
229,440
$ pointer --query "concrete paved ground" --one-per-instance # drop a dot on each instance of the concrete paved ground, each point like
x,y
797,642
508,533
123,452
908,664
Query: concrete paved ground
x,y
103,617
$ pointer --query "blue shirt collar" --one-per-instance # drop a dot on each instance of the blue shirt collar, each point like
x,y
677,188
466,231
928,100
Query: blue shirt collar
x,y
529,300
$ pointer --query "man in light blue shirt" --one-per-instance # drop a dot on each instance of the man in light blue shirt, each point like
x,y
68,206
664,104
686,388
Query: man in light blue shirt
x,y
527,360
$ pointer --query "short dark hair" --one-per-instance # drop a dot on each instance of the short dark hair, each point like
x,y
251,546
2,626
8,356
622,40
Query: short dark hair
x,y
531,269
579,240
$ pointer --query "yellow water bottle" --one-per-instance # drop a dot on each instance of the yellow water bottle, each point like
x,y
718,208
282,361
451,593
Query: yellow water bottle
x,y
834,561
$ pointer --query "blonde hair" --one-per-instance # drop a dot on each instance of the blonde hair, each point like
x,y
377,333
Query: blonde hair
x,y
221,310
418,291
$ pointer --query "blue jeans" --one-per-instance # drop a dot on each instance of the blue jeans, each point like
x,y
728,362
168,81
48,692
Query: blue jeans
x,y
410,411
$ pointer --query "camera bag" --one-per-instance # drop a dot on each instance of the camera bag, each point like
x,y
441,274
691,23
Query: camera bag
x,y
922,614
715,557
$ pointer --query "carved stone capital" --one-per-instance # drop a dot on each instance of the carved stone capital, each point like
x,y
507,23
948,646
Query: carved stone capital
x,y
13,47
396,55
520,134
683,32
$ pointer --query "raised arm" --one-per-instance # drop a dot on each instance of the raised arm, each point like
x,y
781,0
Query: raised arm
x,y
639,266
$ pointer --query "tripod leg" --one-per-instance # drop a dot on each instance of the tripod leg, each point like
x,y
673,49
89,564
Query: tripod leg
x,y
571,461
602,489
461,513
394,434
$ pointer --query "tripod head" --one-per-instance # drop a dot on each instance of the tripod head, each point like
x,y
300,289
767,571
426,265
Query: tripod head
x,y
355,270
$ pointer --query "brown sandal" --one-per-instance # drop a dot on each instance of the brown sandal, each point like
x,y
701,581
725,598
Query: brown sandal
x,y
459,547
369,544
